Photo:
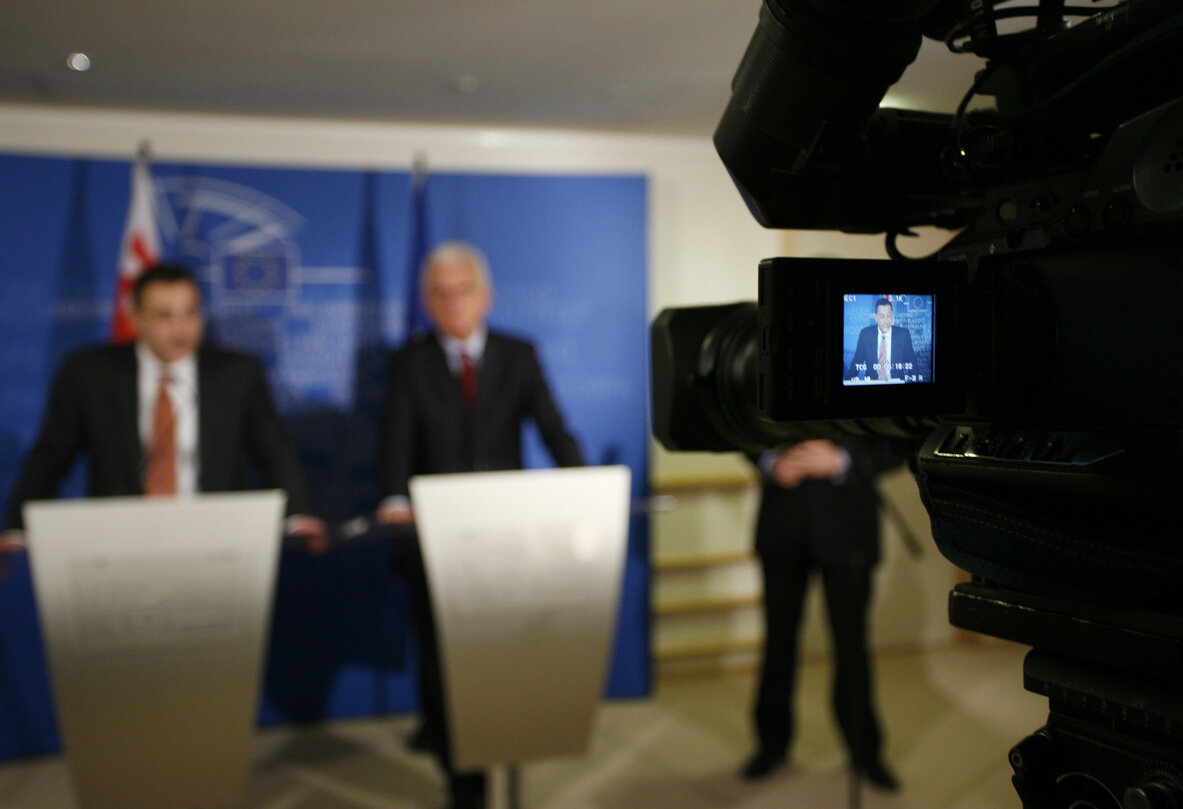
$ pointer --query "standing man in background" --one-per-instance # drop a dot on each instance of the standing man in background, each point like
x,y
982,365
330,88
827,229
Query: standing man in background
x,y
456,402
818,512
164,416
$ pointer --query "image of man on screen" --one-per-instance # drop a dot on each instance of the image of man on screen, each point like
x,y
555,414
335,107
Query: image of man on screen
x,y
884,352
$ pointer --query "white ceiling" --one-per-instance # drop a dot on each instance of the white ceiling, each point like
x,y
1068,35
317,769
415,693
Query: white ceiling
x,y
639,66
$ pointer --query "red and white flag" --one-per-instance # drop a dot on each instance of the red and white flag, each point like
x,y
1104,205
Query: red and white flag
x,y
140,247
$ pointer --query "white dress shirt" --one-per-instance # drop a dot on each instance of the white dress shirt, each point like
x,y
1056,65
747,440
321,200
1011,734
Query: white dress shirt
x,y
473,346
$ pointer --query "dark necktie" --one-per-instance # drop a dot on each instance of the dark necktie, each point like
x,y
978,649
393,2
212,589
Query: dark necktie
x,y
160,475
467,380
883,356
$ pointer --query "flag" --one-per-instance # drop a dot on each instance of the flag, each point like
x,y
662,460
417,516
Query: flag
x,y
417,320
140,247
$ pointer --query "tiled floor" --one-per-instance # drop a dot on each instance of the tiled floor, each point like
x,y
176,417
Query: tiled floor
x,y
950,718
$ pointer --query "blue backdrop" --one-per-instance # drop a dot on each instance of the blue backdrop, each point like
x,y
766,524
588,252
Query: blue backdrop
x,y
313,271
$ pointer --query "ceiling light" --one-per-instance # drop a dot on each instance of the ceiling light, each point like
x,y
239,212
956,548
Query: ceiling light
x,y
466,85
78,61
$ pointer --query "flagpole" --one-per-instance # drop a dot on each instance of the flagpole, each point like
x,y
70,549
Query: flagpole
x,y
419,171
417,321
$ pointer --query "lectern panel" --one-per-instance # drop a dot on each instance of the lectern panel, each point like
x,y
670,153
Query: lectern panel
x,y
153,613
524,570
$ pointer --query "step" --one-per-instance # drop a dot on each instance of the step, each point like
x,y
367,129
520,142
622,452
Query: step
x,y
698,560
707,604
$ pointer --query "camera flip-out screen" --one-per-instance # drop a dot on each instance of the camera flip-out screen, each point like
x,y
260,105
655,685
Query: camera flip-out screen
x,y
887,338
850,338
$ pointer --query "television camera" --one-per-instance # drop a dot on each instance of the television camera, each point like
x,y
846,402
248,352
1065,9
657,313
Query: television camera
x,y
1041,397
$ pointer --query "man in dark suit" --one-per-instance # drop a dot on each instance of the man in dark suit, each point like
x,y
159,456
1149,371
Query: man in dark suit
x,y
164,416
818,514
456,402
884,351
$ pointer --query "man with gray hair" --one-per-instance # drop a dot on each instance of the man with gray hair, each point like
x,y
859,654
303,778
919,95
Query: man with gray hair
x,y
456,401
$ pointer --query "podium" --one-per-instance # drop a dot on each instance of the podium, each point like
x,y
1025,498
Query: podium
x,y
525,571
154,615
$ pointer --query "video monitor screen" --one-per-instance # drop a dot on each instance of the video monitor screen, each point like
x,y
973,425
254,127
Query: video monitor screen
x,y
887,339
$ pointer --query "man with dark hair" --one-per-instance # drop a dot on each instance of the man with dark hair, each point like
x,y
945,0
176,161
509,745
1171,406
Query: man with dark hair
x,y
884,351
163,416
456,402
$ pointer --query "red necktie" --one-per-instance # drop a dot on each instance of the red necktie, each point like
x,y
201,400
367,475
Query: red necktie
x,y
160,474
883,356
467,380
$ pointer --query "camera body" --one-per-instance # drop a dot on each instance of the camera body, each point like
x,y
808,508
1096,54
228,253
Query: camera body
x,y
1029,366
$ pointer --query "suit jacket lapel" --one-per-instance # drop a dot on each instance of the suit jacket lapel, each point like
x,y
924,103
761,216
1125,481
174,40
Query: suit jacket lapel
x,y
491,371
125,412
442,384
207,403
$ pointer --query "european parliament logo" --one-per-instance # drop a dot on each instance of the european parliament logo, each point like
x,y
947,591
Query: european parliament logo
x,y
245,237
255,277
